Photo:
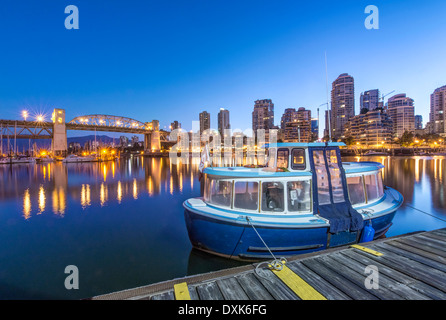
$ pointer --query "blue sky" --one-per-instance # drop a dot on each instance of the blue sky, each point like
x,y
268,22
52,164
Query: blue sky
x,y
170,60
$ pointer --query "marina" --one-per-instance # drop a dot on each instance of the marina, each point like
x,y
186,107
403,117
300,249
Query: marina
x,y
411,267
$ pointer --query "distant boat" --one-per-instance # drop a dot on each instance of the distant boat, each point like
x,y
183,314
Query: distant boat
x,y
376,153
18,160
45,159
72,158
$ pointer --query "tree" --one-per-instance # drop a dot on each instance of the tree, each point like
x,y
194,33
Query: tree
x,y
406,139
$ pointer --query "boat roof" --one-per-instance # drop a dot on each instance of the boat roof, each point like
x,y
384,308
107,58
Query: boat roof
x,y
243,172
304,144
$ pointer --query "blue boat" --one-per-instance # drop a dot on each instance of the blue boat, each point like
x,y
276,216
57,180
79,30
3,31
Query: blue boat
x,y
306,199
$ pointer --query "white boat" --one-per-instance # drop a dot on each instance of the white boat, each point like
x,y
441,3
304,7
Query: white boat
x,y
72,158
45,159
18,160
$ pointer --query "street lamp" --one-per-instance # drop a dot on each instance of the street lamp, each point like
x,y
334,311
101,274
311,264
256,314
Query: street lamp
x,y
25,114
40,118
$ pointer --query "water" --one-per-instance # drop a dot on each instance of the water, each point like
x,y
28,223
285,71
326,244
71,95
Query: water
x,y
122,223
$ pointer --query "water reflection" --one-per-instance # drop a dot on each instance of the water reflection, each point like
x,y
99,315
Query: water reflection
x,y
89,184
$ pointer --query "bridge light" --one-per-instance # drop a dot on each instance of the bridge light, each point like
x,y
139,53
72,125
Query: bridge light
x,y
25,114
40,118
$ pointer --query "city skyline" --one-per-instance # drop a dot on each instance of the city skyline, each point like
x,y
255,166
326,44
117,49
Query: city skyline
x,y
155,61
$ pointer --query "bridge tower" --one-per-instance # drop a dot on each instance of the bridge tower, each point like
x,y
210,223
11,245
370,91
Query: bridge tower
x,y
59,143
152,141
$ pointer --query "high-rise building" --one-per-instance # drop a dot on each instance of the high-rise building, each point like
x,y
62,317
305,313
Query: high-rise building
x,y
299,128
223,121
418,122
402,112
263,115
370,100
437,115
315,128
342,104
373,128
205,121
286,117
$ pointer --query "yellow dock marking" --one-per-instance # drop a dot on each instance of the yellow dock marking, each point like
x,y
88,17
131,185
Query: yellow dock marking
x,y
181,291
297,284
376,253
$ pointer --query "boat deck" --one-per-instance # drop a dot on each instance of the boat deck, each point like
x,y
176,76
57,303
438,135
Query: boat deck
x,y
411,266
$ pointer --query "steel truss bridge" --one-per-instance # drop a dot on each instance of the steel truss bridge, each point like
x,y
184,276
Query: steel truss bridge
x,y
21,129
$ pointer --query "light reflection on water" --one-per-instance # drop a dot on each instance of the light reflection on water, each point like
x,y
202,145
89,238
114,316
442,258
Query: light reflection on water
x,y
116,221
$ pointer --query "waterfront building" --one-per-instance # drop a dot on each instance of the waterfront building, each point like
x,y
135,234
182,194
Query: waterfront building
x,y
205,121
373,128
223,121
286,117
263,115
437,113
369,100
342,104
299,128
401,110
418,122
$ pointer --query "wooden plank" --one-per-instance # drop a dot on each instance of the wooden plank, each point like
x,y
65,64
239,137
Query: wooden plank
x,y
439,232
276,288
337,280
297,284
422,246
358,277
231,289
253,287
415,254
329,291
435,236
209,291
432,239
431,243
403,291
398,276
164,296
414,269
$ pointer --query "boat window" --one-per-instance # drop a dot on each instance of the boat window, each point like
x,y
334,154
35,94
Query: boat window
x,y
336,178
371,187
272,196
323,188
282,158
220,192
246,195
298,159
356,189
380,184
299,196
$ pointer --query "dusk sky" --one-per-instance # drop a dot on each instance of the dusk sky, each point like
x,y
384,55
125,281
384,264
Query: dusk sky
x,y
170,60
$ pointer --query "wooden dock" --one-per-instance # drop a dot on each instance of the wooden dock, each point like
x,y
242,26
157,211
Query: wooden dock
x,y
404,267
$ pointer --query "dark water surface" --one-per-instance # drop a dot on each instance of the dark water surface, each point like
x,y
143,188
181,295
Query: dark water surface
x,y
122,223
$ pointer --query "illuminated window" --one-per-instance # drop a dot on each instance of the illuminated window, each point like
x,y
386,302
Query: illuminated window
x,y
298,159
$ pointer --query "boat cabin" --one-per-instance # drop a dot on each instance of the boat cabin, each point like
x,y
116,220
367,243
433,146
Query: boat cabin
x,y
298,178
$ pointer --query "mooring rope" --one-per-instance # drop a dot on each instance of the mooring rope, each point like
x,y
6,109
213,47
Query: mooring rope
x,y
276,264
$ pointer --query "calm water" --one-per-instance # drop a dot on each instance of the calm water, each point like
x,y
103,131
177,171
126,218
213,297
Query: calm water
x,y
122,224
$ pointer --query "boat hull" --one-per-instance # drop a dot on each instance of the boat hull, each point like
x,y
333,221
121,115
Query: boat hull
x,y
240,240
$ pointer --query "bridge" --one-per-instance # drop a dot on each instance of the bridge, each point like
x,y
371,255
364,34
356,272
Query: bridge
x,y
57,128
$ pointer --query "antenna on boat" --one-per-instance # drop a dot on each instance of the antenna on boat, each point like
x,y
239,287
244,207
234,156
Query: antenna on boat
x,y
326,86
